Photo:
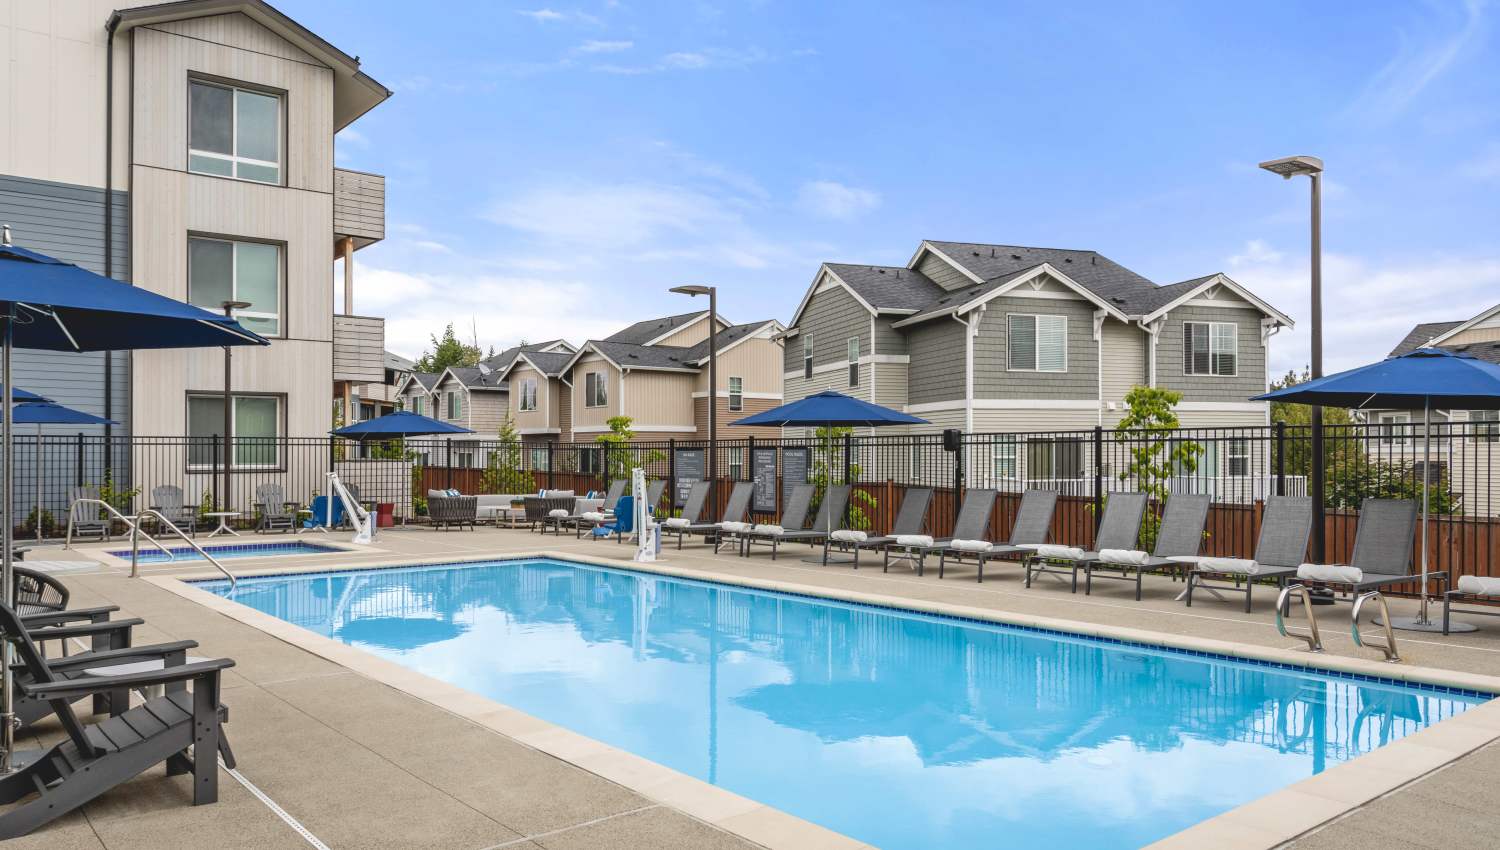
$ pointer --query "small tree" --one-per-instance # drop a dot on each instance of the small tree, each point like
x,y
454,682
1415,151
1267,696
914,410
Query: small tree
x,y
828,469
616,454
447,351
504,469
1149,422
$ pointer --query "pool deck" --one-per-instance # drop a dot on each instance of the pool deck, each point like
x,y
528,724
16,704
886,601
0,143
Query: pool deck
x,y
365,754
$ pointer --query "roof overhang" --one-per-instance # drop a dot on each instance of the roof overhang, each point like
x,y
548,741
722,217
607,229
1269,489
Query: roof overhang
x,y
751,335
354,91
825,273
928,248
684,326
1024,277
1229,284
411,378
1487,314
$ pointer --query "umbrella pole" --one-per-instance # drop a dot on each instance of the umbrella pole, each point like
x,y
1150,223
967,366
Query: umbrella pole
x,y
8,592
36,479
1426,495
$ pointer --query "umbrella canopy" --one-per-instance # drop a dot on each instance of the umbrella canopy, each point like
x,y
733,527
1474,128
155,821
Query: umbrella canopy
x,y
829,409
18,394
52,413
1427,376
402,423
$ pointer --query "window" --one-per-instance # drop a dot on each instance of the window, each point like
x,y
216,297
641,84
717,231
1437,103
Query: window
x,y
1210,348
1037,343
528,394
220,270
416,405
1004,452
590,461
1054,459
736,393
807,356
1486,425
234,132
455,405
1237,457
539,457
1391,427
853,361
366,411
595,390
736,464
257,427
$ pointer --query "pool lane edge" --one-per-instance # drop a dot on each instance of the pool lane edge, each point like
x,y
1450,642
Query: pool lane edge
x,y
1269,821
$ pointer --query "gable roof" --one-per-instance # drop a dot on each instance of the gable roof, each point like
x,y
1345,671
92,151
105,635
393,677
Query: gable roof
x,y
503,360
425,380
643,332
1419,336
398,363
1176,294
473,377
1484,315
727,338
963,300
888,288
624,355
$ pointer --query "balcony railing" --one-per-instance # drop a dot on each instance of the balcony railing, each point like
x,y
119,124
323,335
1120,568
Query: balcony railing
x,y
358,206
359,349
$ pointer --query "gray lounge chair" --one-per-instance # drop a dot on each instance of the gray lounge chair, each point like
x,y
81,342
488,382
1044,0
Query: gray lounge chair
x,y
276,513
1279,549
736,508
1180,535
83,519
973,523
793,518
692,512
167,500
1033,526
1120,528
94,758
1382,549
831,514
910,519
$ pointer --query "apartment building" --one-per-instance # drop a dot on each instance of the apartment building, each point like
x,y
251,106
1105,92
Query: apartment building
x,y
188,148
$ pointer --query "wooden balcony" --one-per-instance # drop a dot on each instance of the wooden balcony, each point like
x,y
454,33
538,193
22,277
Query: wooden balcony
x,y
359,349
358,206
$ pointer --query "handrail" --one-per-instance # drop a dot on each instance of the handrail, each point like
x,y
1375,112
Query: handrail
x,y
132,525
152,512
1389,647
1314,641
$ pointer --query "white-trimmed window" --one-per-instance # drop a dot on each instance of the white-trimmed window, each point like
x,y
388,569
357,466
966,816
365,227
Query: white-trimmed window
x,y
234,132
853,361
1237,457
1003,448
256,436
807,356
1036,343
455,406
539,457
528,394
1210,348
1392,427
736,394
221,270
1486,425
416,405
1054,459
595,390
736,464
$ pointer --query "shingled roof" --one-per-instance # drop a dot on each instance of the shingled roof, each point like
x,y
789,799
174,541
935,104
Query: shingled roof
x,y
888,287
1110,281
643,332
1419,336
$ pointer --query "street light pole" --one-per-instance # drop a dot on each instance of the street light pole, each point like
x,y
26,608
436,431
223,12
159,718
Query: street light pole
x,y
713,385
229,308
1312,168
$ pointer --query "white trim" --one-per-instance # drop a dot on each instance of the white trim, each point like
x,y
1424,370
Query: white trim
x,y
928,248
1224,406
529,431
656,339
1153,336
1044,268
1036,336
755,334
1099,317
1042,404
673,429
872,365
1227,283
1438,340
844,364
1187,354
746,394
1227,305
1045,294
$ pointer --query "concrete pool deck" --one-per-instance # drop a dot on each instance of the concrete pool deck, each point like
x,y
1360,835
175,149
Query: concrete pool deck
x,y
363,755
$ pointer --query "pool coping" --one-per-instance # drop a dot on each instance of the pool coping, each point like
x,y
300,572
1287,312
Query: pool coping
x,y
1266,822
108,559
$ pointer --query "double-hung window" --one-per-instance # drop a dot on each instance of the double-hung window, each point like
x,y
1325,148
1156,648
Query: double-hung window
x,y
234,132
1054,459
595,390
1393,427
1237,457
1210,348
1004,449
1036,343
1486,425
256,431
736,394
528,394
736,464
853,361
416,405
221,270
807,356
455,406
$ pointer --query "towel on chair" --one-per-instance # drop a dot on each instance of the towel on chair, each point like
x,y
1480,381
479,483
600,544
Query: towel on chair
x,y
1124,557
1479,585
848,535
969,545
558,513
913,540
593,516
1242,566
734,527
1066,553
676,522
1337,573
769,530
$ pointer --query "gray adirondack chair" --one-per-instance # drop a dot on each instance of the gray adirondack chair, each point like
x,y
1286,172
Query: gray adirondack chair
x,y
167,500
276,513
83,518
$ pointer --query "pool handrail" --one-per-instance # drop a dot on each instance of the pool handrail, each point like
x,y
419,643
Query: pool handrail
x,y
132,524
135,565
1314,641
1389,647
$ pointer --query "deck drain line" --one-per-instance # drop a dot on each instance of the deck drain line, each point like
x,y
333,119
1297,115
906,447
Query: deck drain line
x,y
271,804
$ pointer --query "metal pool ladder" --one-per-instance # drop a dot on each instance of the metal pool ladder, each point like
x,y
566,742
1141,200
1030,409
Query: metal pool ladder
x,y
1314,641
1389,647
135,565
132,524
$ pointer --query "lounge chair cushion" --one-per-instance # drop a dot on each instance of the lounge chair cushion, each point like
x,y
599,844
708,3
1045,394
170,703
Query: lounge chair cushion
x,y
1242,566
769,530
558,513
969,545
914,540
1125,557
593,516
1053,550
676,522
1337,573
848,535
735,527
1479,585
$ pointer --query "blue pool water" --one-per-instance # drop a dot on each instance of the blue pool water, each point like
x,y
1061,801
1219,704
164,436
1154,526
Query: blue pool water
x,y
152,555
900,729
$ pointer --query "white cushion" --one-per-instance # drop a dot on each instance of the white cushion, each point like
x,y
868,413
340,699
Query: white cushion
x,y
1330,572
1243,566
969,545
558,513
734,527
593,516
1125,557
770,530
1479,585
913,540
1052,550
849,535
676,522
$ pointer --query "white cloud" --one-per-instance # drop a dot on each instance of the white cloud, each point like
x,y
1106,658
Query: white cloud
x,y
624,215
708,58
830,199
431,245
1420,59
551,16
593,46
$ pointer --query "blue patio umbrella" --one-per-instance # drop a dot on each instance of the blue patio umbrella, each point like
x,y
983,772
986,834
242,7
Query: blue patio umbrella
x,y
829,409
51,305
18,394
41,413
1423,378
392,426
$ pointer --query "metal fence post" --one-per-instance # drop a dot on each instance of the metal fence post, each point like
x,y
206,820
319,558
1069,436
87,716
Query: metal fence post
x,y
1098,474
1281,458
78,468
214,461
550,447
672,471
448,460
848,457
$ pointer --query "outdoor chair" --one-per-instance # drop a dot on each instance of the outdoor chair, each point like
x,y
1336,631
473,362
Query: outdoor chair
x,y
1179,535
793,518
1033,527
541,509
1119,528
692,510
832,513
971,524
1471,588
83,519
276,513
592,519
622,524
38,593
1382,551
167,500
736,508
453,511
910,519
183,728
1279,549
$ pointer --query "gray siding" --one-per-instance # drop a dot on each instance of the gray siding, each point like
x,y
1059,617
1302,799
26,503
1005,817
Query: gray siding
x,y
992,379
936,372
831,317
67,222
942,273
888,340
358,205
1251,377
358,348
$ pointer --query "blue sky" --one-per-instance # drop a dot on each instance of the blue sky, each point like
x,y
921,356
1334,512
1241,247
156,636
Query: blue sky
x,y
554,167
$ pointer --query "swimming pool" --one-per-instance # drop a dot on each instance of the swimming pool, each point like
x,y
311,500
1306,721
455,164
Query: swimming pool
x,y
152,555
900,729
